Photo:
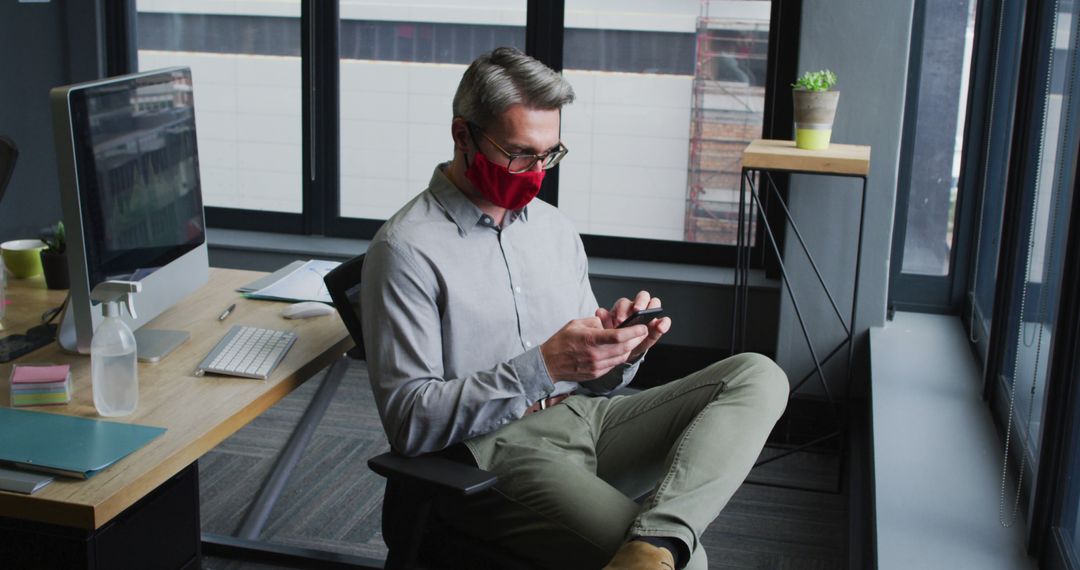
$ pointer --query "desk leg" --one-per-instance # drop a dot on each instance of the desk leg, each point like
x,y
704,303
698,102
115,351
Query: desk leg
x,y
736,287
290,455
248,546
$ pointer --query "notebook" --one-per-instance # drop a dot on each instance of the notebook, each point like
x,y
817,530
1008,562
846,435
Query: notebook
x,y
67,445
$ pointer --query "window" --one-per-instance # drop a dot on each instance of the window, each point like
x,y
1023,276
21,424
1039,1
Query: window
x,y
1070,510
667,100
326,117
1024,152
245,64
921,273
400,66
990,139
1046,196
935,166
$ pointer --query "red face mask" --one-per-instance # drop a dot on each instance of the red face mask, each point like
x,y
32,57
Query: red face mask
x,y
500,187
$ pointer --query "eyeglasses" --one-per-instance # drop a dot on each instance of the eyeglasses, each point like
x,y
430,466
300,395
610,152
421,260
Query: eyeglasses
x,y
523,162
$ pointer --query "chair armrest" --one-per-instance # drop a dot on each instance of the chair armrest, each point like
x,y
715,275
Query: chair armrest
x,y
441,474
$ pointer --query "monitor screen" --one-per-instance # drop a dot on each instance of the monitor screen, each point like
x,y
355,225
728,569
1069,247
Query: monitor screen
x,y
129,186
140,201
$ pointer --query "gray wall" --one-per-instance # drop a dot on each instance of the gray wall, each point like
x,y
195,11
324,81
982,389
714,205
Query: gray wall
x,y
43,45
867,45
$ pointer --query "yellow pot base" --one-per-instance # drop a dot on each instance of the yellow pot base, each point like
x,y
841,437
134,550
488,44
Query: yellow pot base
x,y
812,139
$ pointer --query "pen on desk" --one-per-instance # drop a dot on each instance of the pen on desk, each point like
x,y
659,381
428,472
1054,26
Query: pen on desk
x,y
226,312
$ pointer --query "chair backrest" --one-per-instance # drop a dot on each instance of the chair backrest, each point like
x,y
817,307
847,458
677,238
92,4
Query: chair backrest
x,y
8,153
343,284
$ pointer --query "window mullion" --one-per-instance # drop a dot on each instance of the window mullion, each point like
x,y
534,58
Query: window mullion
x,y
321,152
544,25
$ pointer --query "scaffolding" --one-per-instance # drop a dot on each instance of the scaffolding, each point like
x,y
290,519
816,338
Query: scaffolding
x,y
726,114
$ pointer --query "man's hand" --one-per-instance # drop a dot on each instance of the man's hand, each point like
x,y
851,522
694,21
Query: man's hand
x,y
585,349
623,308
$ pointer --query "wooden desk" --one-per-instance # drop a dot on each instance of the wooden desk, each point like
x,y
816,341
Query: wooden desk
x,y
198,412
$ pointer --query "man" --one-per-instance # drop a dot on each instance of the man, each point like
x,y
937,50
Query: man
x,y
485,343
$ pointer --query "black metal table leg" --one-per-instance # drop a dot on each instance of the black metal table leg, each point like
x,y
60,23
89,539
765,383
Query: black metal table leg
x,y
855,292
794,302
741,296
736,306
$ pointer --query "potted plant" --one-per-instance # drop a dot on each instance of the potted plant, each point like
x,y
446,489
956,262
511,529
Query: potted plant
x,y
815,108
54,257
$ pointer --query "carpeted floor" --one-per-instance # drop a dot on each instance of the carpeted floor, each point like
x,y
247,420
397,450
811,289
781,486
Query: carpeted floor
x,y
333,501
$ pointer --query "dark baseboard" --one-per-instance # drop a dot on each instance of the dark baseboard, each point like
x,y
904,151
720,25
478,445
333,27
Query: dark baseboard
x,y
862,518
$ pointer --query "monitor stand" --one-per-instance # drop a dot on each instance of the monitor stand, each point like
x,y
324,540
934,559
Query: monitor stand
x,y
152,345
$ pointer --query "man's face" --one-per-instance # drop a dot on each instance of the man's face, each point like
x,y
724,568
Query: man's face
x,y
521,130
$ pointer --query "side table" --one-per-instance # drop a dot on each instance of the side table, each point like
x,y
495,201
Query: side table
x,y
759,160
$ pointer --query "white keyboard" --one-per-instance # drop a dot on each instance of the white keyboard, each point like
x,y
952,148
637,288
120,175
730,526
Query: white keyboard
x,y
247,351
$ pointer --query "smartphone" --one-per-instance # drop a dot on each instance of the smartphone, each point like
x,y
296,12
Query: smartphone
x,y
642,317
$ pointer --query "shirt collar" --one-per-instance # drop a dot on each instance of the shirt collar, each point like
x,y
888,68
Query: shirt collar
x,y
461,210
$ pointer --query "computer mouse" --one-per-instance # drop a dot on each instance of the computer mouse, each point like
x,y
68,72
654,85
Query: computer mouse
x,y
306,309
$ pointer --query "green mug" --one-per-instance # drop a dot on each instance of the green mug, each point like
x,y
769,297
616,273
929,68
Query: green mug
x,y
22,257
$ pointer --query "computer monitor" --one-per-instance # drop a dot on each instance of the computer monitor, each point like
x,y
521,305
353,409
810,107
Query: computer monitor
x,y
132,203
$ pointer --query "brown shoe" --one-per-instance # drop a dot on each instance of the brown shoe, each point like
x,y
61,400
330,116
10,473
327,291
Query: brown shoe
x,y
638,555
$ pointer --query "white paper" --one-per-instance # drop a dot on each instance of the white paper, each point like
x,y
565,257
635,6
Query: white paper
x,y
303,284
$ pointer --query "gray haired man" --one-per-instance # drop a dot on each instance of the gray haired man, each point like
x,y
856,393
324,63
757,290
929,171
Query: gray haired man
x,y
485,343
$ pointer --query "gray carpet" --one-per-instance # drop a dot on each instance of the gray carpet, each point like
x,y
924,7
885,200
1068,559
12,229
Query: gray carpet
x,y
333,501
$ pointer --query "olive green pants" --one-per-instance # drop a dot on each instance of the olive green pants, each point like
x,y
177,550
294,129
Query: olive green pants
x,y
566,474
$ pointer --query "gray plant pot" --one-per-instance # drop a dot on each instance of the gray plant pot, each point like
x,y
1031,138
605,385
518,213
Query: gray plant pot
x,y
56,269
814,115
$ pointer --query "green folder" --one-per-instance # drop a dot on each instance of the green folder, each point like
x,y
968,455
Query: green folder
x,y
67,445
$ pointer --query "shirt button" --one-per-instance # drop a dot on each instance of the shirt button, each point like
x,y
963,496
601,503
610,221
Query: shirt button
x,y
528,344
517,289
486,220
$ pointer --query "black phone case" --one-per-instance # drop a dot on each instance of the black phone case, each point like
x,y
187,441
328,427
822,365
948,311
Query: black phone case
x,y
642,317
16,345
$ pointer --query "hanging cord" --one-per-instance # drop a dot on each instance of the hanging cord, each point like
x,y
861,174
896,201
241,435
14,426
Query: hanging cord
x,y
989,123
1048,264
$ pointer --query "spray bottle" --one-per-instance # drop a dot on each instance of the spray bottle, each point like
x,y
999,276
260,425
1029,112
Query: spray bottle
x,y
114,376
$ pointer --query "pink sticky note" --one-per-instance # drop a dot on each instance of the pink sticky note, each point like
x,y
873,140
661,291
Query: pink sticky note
x,y
29,374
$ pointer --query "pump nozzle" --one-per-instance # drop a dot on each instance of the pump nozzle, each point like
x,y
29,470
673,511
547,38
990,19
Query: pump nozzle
x,y
117,292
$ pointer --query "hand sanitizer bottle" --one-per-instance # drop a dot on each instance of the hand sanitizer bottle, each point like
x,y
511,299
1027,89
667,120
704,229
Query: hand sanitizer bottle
x,y
114,377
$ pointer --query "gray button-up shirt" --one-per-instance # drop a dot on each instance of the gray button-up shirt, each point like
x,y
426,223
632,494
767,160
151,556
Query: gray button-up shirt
x,y
454,311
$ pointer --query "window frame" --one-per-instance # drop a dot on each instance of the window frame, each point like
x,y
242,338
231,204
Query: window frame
x,y
1061,419
1045,481
938,293
544,34
990,132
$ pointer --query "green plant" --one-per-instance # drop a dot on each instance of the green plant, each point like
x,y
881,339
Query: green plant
x,y
816,80
55,237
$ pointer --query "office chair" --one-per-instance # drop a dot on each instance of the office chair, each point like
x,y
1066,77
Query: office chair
x,y
413,531
8,154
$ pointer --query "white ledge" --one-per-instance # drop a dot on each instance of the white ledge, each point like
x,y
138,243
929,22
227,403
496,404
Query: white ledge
x,y
937,456
302,246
